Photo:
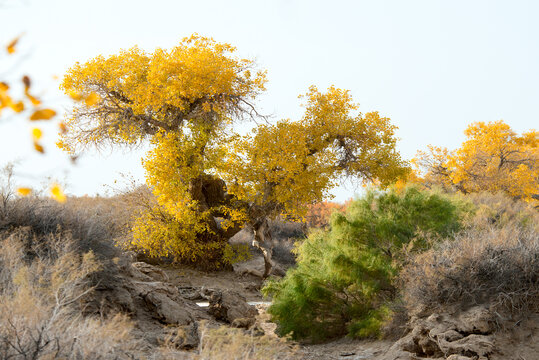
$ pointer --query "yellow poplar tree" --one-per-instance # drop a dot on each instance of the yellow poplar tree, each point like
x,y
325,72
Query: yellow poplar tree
x,y
492,158
208,181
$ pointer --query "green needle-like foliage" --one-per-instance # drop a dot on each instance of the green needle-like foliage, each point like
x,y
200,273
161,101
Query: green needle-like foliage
x,y
344,280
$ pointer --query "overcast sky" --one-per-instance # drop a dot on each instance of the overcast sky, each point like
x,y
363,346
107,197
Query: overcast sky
x,y
433,67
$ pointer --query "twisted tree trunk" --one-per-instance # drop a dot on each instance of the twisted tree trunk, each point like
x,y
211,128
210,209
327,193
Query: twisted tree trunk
x,y
263,241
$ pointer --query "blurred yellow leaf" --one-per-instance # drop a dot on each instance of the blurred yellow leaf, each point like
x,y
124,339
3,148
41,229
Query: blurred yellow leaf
x,y
4,86
44,114
92,99
38,147
33,100
74,95
36,134
24,191
17,107
57,193
11,46
27,83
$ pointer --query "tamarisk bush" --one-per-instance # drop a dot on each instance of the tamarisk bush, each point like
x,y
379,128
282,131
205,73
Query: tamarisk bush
x,y
345,278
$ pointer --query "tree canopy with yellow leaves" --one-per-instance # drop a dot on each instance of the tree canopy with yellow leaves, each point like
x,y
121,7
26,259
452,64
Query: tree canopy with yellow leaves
x,y
133,95
208,180
492,158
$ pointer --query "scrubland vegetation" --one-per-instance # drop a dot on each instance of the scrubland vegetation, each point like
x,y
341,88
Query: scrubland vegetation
x,y
394,254
494,260
49,253
457,230
53,257
345,278
389,256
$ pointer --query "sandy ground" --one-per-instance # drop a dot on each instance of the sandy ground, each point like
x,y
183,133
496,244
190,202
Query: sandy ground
x,y
246,285
346,349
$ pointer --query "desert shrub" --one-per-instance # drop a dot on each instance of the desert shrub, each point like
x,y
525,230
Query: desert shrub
x,y
50,257
281,228
284,235
226,343
499,210
7,189
494,261
496,266
38,296
93,224
344,280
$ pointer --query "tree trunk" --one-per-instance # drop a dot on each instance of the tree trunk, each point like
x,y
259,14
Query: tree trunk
x,y
210,192
263,241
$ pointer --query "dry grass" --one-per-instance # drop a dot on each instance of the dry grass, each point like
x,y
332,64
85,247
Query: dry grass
x,y
494,262
499,210
495,265
39,318
228,343
225,343
90,227
94,223
50,254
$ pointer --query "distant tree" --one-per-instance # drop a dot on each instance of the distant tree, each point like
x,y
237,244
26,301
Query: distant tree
x,y
318,214
493,158
208,180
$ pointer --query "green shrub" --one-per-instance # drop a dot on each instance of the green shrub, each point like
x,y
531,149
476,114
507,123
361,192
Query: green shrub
x,y
344,280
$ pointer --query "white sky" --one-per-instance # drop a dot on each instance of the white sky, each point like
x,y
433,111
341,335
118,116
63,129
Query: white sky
x,y
433,67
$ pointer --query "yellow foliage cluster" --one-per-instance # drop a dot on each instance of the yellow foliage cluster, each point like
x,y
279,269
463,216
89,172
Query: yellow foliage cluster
x,y
141,93
294,164
176,224
208,181
493,158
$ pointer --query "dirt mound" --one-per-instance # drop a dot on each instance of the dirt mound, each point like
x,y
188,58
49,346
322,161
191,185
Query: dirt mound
x,y
156,307
520,341
163,312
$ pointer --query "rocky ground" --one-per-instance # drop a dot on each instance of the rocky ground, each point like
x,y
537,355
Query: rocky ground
x,y
162,301
244,282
